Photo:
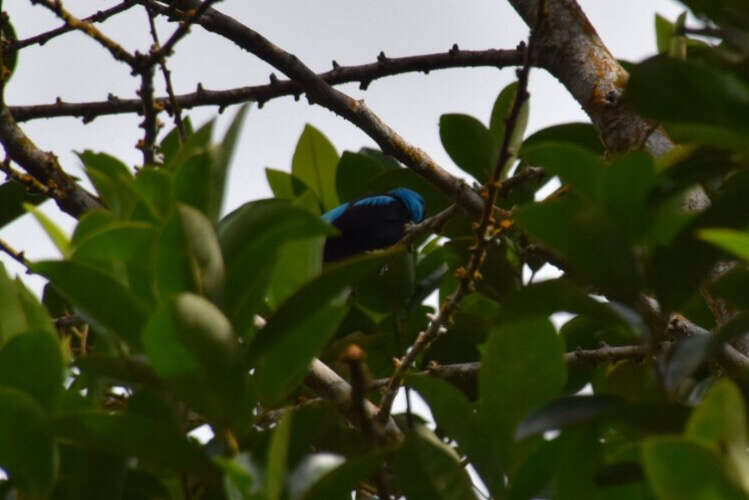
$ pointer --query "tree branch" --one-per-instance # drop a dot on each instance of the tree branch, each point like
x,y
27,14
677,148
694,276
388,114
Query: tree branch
x,y
320,92
570,49
364,73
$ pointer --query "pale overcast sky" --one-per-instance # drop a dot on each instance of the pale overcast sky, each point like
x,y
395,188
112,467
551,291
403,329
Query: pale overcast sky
x,y
75,68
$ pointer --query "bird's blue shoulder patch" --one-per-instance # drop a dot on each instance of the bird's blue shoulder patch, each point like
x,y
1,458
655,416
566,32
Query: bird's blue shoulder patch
x,y
377,200
333,214
413,201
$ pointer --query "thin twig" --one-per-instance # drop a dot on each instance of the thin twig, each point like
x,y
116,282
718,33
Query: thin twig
x,y
115,49
364,73
433,224
15,254
182,29
487,229
97,17
176,111
150,124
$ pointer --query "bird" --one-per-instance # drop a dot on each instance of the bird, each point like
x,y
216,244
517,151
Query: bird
x,y
372,222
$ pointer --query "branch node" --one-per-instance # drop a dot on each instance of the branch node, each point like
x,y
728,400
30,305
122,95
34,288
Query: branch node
x,y
454,49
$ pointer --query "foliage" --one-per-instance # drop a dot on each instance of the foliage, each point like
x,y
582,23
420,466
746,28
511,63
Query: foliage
x,y
170,316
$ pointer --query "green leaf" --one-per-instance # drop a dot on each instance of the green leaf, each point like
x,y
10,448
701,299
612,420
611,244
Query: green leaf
x,y
583,135
197,142
298,262
222,161
20,310
728,12
279,448
112,180
354,174
314,163
521,369
100,299
456,416
537,471
171,142
189,256
250,238
58,237
123,241
679,469
33,363
157,444
469,144
429,469
501,112
720,422
566,411
625,188
13,196
304,324
192,345
590,243
664,32
731,240
574,165
284,185
154,188
27,450
688,92
242,478
9,58
339,482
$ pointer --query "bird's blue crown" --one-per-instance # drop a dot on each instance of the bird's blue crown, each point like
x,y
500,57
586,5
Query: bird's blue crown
x,y
413,201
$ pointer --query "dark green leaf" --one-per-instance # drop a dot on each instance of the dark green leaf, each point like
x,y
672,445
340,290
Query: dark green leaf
x,y
303,324
729,12
279,448
154,188
12,196
172,141
537,471
27,450
33,363
354,173
583,135
684,359
123,241
189,257
196,143
458,418
112,180
154,443
625,189
679,469
314,163
338,483
191,344
591,244
99,298
566,411
250,238
521,369
469,144
429,469
665,88
573,164
20,310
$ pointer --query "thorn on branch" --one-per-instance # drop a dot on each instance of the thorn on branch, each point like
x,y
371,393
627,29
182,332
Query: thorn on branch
x,y
364,84
454,49
336,65
381,57
273,79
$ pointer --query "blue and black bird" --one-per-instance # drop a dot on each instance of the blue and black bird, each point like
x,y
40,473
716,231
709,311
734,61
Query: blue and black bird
x,y
372,222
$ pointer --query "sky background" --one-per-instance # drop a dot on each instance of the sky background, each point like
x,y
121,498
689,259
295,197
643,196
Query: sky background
x,y
75,68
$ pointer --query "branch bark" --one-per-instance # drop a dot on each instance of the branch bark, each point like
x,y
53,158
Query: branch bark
x,y
570,49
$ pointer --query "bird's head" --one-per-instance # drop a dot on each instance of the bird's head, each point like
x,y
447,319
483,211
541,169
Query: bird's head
x,y
412,200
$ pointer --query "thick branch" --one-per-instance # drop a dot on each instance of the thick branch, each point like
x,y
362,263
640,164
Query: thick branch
x,y
364,73
331,386
70,197
570,49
